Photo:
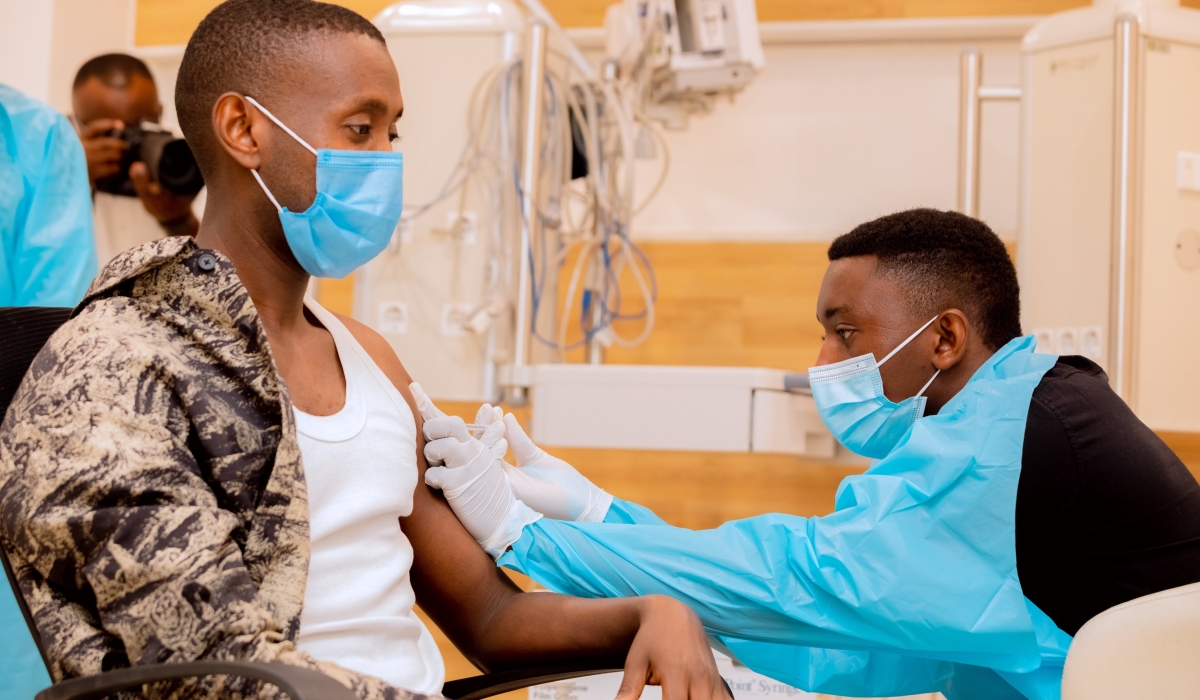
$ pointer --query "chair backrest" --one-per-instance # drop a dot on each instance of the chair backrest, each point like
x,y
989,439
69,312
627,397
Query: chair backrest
x,y
24,330
1148,647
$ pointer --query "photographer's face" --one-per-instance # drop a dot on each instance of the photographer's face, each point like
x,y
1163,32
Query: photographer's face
x,y
343,94
132,104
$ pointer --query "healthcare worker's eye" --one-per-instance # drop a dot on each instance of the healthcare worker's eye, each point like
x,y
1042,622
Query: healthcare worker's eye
x,y
393,137
845,333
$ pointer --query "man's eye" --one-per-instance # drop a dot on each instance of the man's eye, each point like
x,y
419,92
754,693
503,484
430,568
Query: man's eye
x,y
845,333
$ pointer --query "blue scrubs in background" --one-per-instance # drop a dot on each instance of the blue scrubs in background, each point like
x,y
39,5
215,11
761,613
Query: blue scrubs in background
x,y
47,258
47,240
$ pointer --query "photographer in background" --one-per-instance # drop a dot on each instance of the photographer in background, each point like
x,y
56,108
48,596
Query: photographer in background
x,y
114,96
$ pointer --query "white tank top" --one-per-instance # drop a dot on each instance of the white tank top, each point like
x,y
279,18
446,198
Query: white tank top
x,y
361,469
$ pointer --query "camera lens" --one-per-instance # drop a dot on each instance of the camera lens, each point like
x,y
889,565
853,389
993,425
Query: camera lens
x,y
177,169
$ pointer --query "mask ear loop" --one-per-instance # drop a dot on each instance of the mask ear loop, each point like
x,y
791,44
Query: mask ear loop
x,y
265,190
291,133
907,340
922,391
283,126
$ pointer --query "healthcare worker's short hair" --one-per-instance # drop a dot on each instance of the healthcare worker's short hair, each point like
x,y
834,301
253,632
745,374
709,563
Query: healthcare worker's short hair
x,y
244,46
943,260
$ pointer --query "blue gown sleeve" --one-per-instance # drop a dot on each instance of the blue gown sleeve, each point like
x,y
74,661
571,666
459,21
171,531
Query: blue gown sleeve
x,y
626,513
776,578
843,672
53,259
753,585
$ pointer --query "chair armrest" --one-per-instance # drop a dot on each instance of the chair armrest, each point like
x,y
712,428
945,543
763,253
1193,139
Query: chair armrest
x,y
478,687
297,682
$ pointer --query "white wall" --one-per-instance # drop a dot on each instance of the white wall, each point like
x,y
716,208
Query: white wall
x,y
848,121
831,135
85,29
44,42
26,30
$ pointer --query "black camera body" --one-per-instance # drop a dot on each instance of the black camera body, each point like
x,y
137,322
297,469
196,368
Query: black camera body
x,y
168,159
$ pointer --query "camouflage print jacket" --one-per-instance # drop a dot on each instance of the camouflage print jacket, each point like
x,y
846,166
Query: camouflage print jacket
x,y
152,498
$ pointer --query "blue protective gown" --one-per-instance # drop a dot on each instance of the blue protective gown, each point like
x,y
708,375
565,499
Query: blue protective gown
x,y
47,239
909,586
47,258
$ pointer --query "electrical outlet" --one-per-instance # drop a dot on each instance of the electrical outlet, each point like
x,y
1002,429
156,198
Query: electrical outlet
x,y
1045,340
1187,171
1091,342
1187,250
454,318
464,229
1066,340
401,237
393,318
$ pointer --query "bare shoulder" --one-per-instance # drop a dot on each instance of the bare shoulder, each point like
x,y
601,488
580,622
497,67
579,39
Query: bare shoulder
x,y
380,351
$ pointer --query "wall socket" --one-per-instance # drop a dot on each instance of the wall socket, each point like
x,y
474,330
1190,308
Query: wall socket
x,y
454,318
393,318
1066,340
1072,340
462,229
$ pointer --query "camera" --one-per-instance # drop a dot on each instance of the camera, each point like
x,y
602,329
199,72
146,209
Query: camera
x,y
169,160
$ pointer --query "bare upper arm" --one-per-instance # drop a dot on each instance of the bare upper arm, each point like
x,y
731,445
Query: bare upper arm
x,y
455,581
382,353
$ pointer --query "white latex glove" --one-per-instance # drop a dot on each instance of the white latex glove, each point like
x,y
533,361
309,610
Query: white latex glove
x,y
487,415
472,479
474,484
549,485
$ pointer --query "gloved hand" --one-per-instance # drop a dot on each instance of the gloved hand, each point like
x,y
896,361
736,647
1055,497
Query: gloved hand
x,y
487,415
549,485
473,481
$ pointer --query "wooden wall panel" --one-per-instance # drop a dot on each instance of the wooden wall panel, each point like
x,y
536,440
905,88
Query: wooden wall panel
x,y
337,295
725,304
172,21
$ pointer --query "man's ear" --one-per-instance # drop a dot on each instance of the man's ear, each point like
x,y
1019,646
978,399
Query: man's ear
x,y
232,124
953,331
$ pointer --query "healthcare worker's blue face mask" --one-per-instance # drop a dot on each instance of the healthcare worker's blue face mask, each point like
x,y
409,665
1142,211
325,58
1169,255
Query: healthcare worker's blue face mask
x,y
358,204
850,399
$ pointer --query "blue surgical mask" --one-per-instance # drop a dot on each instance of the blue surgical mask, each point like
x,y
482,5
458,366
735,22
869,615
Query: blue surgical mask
x,y
360,195
850,399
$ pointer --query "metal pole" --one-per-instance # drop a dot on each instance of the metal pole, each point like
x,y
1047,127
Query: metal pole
x,y
1122,312
535,69
971,95
970,70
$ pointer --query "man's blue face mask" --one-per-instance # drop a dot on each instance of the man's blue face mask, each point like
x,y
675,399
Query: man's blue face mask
x,y
360,195
850,399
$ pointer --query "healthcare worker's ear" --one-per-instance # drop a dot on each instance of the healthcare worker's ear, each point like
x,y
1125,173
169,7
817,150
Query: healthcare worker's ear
x,y
954,331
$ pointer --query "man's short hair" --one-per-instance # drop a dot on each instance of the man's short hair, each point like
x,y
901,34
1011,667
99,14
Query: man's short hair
x,y
115,70
944,260
242,46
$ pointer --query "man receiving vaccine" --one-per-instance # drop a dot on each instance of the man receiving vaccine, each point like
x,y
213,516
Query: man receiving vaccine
x,y
1012,496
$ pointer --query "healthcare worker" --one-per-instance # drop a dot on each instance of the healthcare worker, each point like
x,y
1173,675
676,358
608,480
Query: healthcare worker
x,y
47,258
47,247
1013,495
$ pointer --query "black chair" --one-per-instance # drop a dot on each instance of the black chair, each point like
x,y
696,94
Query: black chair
x,y
25,331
